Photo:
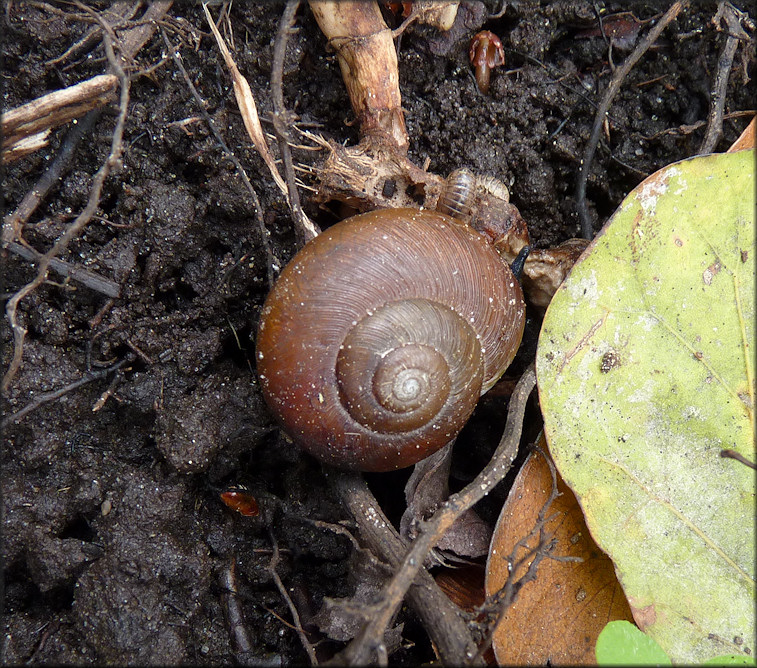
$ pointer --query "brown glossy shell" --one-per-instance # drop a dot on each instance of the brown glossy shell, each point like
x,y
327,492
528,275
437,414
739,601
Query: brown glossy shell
x,y
397,288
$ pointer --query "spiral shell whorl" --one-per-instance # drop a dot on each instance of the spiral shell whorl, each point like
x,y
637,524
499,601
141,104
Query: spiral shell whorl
x,y
408,364
336,300
410,377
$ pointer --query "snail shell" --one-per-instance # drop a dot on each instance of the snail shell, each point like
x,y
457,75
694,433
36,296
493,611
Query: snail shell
x,y
381,334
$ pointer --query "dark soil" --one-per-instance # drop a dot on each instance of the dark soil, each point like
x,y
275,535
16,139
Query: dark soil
x,y
115,540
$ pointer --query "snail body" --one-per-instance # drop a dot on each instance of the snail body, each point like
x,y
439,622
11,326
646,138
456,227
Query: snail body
x,y
381,334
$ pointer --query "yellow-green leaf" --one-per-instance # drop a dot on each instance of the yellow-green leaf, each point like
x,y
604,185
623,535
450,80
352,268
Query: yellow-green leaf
x,y
646,374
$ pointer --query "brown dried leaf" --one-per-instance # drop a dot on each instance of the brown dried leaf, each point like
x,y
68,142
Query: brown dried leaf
x,y
746,139
558,617
463,586
546,269
425,491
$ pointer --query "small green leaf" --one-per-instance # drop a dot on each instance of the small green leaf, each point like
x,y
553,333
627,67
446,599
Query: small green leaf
x,y
731,660
622,644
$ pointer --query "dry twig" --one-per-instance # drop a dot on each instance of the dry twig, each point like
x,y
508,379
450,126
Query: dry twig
x,y
367,645
304,228
79,274
14,222
440,616
498,604
234,614
257,208
25,129
133,40
734,21
46,397
356,30
247,105
604,106
292,609
73,230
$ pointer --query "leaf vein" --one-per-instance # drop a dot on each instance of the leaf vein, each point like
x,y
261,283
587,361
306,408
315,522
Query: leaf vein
x,y
685,520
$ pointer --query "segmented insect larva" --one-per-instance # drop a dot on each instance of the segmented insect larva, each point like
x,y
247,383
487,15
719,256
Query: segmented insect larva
x,y
456,200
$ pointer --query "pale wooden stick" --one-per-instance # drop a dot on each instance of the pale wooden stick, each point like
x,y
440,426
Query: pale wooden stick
x,y
25,128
